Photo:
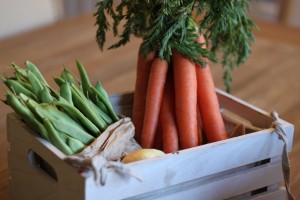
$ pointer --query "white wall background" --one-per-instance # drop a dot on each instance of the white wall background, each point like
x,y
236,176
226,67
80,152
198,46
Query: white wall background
x,y
75,7
18,16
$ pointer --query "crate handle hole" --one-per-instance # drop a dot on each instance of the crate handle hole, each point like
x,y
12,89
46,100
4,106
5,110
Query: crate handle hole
x,y
263,162
38,162
259,191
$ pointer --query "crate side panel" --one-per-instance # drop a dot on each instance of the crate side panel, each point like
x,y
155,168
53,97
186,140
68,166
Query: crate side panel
x,y
122,104
226,186
173,169
121,99
21,186
70,183
24,177
255,115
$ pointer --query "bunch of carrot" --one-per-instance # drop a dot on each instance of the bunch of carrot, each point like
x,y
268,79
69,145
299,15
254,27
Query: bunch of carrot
x,y
175,104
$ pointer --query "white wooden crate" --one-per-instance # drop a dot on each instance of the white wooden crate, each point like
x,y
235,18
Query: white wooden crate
x,y
244,167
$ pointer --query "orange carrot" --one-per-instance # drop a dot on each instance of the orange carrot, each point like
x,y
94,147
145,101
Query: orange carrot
x,y
141,84
156,84
208,103
167,118
200,127
158,137
185,83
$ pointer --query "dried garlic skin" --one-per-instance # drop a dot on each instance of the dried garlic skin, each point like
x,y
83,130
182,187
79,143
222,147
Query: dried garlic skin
x,y
142,154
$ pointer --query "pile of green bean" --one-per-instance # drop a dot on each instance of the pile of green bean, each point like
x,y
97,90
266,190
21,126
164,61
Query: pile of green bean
x,y
70,118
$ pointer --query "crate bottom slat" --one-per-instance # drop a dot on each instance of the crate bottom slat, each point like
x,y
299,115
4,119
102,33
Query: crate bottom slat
x,y
279,194
225,185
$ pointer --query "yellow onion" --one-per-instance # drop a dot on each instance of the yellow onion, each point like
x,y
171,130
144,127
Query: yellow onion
x,y
142,154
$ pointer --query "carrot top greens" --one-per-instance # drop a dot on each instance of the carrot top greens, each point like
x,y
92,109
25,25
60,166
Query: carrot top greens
x,y
174,24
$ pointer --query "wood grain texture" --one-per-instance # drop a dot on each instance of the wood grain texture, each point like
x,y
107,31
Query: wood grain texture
x,y
268,80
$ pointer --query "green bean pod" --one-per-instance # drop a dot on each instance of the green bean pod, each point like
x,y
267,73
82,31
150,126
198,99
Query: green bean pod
x,y
44,96
61,121
65,92
26,115
36,84
100,104
48,111
85,80
21,72
37,109
22,82
101,90
54,113
74,144
73,112
56,139
81,102
107,103
59,81
36,72
17,88
101,113
53,93
68,77
72,131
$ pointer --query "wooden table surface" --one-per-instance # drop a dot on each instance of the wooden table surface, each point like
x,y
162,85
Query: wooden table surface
x,y
270,79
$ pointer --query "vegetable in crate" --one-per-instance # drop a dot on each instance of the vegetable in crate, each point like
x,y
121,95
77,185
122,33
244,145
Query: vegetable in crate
x,y
170,31
142,154
69,119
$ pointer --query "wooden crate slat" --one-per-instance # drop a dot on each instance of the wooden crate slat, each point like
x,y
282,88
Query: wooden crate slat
x,y
226,186
200,161
279,194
